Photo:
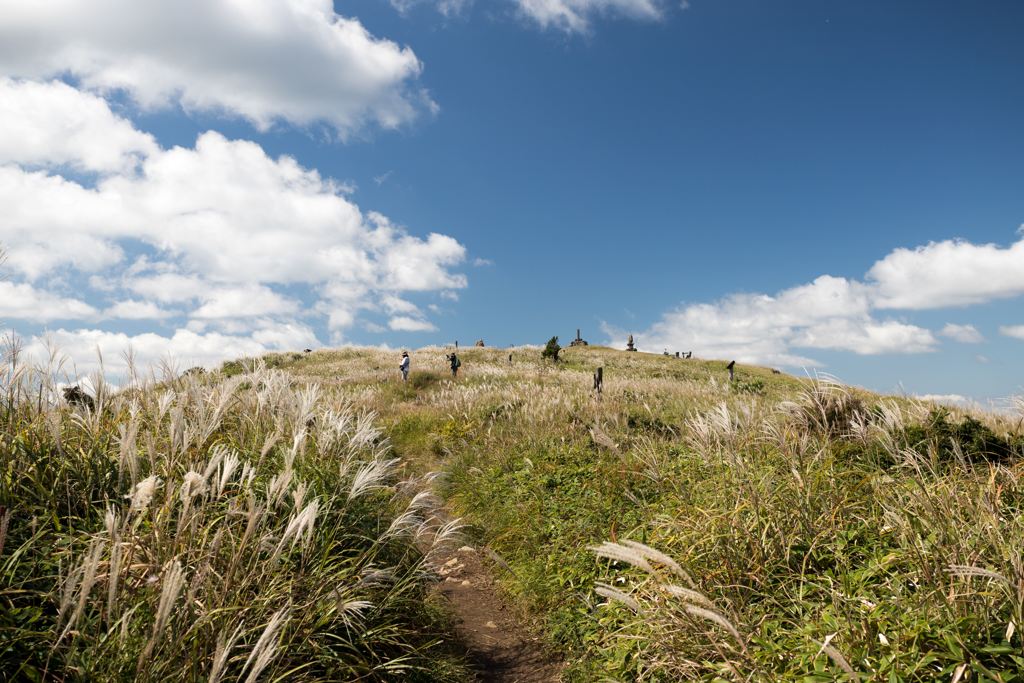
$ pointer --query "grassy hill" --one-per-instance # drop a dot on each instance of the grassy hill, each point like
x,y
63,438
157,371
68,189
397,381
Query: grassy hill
x,y
810,532
676,527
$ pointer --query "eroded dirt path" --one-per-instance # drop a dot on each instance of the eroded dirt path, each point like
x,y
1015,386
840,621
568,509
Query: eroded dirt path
x,y
497,643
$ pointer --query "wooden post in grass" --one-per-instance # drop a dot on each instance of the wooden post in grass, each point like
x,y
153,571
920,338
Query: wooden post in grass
x,y
599,381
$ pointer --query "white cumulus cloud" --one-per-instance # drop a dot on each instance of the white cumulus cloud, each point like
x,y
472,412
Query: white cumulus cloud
x,y
220,234
50,124
264,60
84,348
22,301
840,314
245,302
828,313
131,309
948,273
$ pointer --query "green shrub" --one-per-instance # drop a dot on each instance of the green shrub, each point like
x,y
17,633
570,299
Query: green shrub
x,y
752,385
975,440
551,349
232,368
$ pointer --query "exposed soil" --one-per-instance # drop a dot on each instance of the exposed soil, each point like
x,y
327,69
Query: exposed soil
x,y
497,643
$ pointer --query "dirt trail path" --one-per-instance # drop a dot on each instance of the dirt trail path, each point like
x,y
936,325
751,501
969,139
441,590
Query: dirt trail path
x,y
500,647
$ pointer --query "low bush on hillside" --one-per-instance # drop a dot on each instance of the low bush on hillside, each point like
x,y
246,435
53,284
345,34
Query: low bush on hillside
x,y
964,439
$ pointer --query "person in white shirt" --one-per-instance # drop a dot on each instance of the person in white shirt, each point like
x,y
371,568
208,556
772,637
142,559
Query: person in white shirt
x,y
404,367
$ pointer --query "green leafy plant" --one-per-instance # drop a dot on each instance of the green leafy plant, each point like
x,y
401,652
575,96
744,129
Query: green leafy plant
x,y
551,349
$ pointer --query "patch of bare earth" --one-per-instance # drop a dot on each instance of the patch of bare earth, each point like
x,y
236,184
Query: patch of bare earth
x,y
501,648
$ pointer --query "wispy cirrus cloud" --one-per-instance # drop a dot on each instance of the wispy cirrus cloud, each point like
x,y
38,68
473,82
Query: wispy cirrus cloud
x,y
569,16
445,7
403,323
1015,331
965,334
576,16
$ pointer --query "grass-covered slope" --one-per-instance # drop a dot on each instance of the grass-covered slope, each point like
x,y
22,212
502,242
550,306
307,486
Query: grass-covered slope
x,y
263,522
808,532
208,529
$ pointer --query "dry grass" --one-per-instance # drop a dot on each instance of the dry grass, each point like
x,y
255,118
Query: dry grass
x,y
199,527
829,534
772,529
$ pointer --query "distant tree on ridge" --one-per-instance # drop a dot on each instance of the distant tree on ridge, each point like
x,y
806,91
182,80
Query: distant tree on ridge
x,y
552,349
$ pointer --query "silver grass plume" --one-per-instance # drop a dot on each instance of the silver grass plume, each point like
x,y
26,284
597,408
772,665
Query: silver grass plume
x,y
372,476
87,572
173,581
265,650
614,594
222,651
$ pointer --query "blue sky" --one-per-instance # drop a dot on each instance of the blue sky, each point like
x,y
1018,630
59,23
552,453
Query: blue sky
x,y
824,184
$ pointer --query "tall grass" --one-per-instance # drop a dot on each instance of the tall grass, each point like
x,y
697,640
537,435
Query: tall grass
x,y
815,558
207,528
680,528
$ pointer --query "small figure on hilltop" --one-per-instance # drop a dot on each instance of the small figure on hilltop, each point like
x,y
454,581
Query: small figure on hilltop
x,y
480,343
455,364
404,366
629,344
730,367
551,349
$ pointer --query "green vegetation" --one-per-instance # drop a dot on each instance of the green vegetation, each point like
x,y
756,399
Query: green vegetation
x,y
676,527
205,528
810,532
551,350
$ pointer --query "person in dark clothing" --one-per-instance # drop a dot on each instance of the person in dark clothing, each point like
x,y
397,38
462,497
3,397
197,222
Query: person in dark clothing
x,y
455,364
730,367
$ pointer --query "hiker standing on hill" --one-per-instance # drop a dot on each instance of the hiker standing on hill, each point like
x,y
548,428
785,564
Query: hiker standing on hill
x,y
729,367
404,367
455,363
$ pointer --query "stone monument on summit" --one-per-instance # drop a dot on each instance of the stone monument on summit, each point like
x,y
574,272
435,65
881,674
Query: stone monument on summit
x,y
578,341
629,344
